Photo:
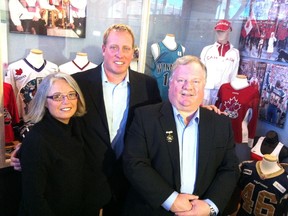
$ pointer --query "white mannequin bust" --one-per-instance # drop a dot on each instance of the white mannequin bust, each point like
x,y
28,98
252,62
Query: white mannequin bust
x,y
79,64
81,59
169,41
35,58
269,164
239,82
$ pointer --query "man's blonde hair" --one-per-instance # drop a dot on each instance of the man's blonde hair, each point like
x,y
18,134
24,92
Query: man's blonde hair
x,y
119,28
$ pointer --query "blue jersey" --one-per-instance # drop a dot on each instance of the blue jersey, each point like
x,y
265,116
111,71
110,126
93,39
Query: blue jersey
x,y
262,194
163,64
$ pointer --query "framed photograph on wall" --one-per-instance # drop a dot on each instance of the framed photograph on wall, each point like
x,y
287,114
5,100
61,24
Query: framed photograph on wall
x,y
60,18
273,99
272,82
264,33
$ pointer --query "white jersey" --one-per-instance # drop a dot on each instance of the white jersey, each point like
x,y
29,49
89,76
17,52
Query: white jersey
x,y
256,153
24,79
71,67
220,69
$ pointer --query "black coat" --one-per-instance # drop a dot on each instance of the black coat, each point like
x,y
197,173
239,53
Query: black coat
x,y
52,161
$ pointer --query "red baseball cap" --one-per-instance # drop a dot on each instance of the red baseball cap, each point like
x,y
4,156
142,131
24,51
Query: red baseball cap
x,y
223,25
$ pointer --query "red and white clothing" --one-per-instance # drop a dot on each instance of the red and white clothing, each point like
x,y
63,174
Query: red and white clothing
x,y
78,9
242,107
24,10
25,78
11,116
256,153
72,67
222,62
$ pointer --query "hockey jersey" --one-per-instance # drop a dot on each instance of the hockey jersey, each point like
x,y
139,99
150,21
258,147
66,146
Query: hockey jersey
x,y
242,107
262,195
256,153
25,78
163,65
71,67
11,116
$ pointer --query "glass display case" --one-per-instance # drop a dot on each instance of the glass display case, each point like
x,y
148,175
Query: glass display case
x,y
64,34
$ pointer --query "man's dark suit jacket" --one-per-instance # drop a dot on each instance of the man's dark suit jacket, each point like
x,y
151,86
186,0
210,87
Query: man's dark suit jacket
x,y
151,159
106,172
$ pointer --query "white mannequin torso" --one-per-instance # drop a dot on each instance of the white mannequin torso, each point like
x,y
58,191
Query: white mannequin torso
x,y
81,59
239,82
35,58
269,164
79,64
169,41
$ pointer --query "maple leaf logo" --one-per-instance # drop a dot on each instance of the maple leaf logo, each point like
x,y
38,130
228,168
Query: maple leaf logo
x,y
231,107
19,72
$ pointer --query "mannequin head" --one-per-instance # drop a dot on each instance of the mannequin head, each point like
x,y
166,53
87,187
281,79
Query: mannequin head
x,y
223,29
271,138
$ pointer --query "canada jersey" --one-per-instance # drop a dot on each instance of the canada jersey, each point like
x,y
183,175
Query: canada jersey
x,y
262,194
242,107
71,67
163,65
220,69
11,116
256,153
24,79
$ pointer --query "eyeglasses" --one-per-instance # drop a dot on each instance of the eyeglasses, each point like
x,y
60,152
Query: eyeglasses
x,y
60,97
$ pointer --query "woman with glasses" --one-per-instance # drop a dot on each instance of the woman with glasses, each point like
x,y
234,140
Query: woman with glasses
x,y
52,155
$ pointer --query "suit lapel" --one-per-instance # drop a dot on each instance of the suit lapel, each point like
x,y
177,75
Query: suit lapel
x,y
170,132
96,93
135,89
205,139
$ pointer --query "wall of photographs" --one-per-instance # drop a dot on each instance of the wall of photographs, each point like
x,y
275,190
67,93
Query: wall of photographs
x,y
264,57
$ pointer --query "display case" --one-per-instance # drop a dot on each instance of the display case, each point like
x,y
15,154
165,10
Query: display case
x,y
191,22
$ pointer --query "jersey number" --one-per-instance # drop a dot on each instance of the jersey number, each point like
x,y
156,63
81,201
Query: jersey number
x,y
166,78
264,201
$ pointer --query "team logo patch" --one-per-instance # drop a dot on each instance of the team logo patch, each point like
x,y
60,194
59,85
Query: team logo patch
x,y
19,72
279,187
231,107
247,172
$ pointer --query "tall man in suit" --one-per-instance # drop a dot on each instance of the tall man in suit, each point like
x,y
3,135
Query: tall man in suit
x,y
180,158
112,91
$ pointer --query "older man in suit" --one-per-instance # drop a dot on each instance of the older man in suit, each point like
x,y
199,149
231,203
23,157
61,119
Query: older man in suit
x,y
179,157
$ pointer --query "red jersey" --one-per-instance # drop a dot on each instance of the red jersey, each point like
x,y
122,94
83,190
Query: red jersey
x,y
11,116
242,107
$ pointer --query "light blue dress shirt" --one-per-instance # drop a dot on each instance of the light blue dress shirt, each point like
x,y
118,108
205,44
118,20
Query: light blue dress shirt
x,y
116,99
188,155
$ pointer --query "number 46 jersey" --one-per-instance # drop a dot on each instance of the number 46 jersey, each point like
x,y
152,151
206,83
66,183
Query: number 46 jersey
x,y
262,194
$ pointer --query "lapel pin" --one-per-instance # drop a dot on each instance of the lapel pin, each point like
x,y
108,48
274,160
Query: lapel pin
x,y
169,136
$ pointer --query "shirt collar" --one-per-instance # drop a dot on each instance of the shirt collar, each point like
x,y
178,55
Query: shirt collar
x,y
196,115
105,79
